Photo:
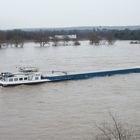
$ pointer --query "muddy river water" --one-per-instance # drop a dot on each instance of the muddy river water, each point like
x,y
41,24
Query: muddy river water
x,y
68,110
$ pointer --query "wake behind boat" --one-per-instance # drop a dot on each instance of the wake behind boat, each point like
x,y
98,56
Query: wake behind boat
x,y
31,75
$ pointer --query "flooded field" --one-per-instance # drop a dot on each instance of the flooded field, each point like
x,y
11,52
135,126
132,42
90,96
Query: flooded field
x,y
69,110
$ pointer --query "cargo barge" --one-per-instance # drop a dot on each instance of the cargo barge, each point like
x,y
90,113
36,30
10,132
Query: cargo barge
x,y
31,75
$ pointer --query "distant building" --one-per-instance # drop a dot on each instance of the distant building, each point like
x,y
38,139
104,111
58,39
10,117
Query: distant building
x,y
66,36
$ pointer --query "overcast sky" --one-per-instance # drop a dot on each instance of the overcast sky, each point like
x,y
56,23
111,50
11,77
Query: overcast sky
x,y
67,13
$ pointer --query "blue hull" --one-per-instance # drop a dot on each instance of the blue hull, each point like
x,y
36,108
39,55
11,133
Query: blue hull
x,y
92,74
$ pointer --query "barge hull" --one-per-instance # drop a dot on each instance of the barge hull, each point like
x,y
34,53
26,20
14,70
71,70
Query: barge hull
x,y
92,74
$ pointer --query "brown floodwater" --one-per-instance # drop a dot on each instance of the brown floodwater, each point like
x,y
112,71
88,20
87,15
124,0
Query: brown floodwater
x,y
68,110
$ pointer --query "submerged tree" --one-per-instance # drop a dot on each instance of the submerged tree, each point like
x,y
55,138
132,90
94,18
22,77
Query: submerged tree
x,y
2,38
94,38
41,37
76,43
55,41
110,38
66,39
17,38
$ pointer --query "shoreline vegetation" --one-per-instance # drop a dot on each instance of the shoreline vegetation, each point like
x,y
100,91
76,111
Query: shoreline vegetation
x,y
116,130
18,37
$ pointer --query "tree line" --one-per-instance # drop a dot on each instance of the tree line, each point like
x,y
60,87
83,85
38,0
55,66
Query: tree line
x,y
18,37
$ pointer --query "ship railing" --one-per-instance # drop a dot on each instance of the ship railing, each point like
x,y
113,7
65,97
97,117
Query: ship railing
x,y
59,72
28,69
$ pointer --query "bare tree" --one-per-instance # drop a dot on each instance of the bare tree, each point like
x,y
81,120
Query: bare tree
x,y
76,43
41,37
2,38
110,39
55,41
66,39
94,38
17,38
115,131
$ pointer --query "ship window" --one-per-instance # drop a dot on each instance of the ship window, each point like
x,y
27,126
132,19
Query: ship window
x,y
36,78
11,80
16,79
25,78
20,79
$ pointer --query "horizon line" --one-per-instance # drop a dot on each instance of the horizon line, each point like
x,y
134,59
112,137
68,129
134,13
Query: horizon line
x,y
80,26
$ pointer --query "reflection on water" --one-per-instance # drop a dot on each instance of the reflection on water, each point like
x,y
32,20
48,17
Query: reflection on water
x,y
68,110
